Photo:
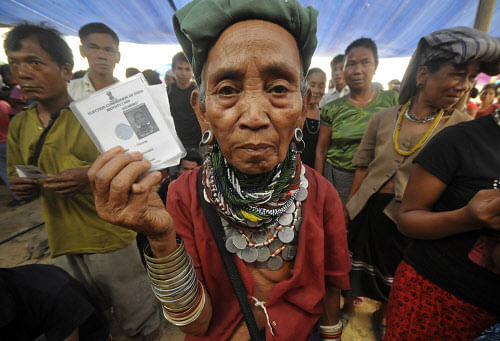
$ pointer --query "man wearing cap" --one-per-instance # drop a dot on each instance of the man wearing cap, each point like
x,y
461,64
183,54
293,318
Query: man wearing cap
x,y
253,207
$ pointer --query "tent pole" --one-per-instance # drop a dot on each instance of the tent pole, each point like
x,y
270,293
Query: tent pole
x,y
484,15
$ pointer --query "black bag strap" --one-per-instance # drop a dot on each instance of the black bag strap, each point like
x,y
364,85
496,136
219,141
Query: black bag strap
x,y
43,136
215,224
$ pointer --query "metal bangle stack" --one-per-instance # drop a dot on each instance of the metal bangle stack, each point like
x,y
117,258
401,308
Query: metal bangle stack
x,y
175,285
328,333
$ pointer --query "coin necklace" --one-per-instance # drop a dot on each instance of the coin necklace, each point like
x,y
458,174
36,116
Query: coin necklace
x,y
274,243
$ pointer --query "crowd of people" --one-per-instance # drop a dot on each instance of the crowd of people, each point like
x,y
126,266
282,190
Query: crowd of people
x,y
290,206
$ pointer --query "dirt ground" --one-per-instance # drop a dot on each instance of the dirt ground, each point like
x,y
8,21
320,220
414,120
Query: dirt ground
x,y
17,252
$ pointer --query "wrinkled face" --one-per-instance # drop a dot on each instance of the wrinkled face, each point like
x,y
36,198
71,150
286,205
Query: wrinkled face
x,y
39,76
253,101
488,95
101,53
338,76
316,82
444,88
183,74
359,68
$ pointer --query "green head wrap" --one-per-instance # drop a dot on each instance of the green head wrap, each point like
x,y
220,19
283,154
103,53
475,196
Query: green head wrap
x,y
198,25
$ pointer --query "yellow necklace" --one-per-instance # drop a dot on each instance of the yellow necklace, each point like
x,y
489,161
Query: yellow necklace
x,y
397,128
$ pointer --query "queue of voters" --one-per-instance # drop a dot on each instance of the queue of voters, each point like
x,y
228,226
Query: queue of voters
x,y
295,203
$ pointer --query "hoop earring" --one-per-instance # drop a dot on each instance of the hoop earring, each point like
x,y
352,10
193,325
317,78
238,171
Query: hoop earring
x,y
300,144
206,138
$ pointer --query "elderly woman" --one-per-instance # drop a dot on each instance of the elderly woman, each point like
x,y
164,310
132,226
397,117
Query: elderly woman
x,y
344,120
433,84
275,221
447,287
316,81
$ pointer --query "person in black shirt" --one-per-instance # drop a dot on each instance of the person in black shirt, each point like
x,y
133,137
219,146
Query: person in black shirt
x,y
452,209
189,162
40,299
179,96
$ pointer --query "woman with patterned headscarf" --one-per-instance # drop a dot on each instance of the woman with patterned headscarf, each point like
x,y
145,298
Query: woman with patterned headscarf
x,y
253,203
436,79
447,286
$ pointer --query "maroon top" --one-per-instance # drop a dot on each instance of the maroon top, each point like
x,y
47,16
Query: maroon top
x,y
489,110
293,305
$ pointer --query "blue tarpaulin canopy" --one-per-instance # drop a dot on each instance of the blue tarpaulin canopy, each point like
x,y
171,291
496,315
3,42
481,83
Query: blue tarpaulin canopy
x,y
395,25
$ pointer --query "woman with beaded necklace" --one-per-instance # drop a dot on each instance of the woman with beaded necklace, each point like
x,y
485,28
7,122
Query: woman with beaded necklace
x,y
278,220
436,79
451,269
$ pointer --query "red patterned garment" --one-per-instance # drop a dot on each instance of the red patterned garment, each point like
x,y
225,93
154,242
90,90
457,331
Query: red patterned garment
x,y
294,305
420,310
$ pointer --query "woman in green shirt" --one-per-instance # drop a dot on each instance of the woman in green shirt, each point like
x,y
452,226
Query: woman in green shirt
x,y
344,120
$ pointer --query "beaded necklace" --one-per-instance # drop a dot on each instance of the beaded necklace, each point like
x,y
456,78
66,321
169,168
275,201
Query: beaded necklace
x,y
250,201
261,215
415,119
397,128
272,244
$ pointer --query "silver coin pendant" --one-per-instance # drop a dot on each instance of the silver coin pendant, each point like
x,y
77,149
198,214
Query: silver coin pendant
x,y
289,253
239,242
286,235
263,254
286,219
291,208
230,245
275,263
259,236
302,194
249,255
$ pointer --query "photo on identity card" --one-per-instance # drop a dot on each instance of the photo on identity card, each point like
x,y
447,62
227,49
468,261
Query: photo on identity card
x,y
135,116
141,121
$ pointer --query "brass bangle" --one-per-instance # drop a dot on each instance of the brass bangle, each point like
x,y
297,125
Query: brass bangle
x,y
167,259
183,321
183,286
166,266
183,304
168,270
169,278
178,294
171,282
